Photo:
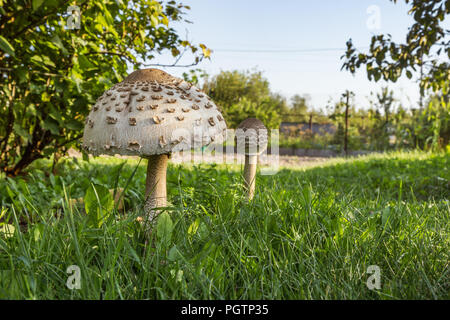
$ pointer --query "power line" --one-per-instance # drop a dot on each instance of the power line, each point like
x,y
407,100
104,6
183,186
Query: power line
x,y
283,50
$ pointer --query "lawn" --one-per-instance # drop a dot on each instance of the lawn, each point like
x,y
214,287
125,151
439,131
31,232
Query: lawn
x,y
308,234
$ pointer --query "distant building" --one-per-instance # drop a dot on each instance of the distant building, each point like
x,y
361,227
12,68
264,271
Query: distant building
x,y
316,128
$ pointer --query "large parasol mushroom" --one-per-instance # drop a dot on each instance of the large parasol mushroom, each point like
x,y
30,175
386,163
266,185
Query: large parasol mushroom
x,y
152,114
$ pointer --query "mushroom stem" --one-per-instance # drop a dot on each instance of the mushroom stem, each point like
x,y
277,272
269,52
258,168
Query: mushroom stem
x,y
155,185
250,175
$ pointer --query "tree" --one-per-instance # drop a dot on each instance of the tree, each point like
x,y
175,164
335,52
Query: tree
x,y
382,127
427,49
243,94
52,72
426,43
298,109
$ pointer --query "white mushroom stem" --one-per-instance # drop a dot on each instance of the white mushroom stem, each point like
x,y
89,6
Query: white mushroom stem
x,y
250,175
155,185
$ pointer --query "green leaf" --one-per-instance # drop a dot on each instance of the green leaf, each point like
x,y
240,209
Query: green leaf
x,y
21,132
38,231
6,46
174,254
74,125
56,40
85,155
36,4
39,60
51,125
7,230
98,203
164,228
192,230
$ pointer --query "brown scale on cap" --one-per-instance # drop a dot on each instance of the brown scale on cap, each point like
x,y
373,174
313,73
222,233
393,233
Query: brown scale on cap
x,y
132,121
140,108
170,93
171,110
157,119
180,118
141,98
211,121
134,93
195,107
208,105
153,106
133,145
111,120
171,100
162,142
156,97
177,141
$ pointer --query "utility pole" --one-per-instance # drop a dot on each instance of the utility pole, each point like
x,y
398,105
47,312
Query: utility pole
x,y
421,79
310,122
346,95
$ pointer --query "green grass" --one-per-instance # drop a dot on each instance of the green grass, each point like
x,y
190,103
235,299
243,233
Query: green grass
x,y
308,234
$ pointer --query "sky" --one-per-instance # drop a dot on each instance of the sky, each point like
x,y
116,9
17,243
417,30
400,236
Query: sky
x,y
297,44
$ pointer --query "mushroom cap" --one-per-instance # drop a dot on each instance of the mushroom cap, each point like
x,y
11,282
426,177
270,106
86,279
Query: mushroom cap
x,y
251,137
150,113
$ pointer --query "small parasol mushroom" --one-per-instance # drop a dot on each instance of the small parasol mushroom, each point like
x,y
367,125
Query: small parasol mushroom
x,y
251,140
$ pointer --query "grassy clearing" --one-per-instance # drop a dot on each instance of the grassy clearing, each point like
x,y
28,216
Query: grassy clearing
x,y
308,233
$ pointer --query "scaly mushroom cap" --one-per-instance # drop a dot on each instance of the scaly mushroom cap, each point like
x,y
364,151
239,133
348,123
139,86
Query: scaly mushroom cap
x,y
149,113
251,137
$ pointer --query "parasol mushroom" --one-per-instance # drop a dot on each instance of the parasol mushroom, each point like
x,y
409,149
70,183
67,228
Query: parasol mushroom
x,y
251,140
151,114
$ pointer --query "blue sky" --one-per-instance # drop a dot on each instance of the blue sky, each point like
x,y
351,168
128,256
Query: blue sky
x,y
265,35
